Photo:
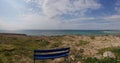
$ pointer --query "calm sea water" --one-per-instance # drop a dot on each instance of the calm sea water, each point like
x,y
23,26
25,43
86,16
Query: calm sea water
x,y
63,32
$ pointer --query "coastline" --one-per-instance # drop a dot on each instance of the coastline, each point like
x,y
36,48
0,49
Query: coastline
x,y
13,34
23,34
63,32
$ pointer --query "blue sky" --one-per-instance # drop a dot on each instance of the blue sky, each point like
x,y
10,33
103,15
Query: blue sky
x,y
59,14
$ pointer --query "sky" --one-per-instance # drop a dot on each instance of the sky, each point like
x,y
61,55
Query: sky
x,y
60,14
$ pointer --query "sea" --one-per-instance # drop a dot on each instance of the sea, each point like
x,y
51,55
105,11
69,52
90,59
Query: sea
x,y
62,32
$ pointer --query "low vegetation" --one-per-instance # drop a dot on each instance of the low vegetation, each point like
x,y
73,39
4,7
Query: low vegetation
x,y
115,50
56,44
19,49
82,42
104,60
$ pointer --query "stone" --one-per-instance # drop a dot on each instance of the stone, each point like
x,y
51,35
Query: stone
x,y
58,60
109,54
79,62
72,57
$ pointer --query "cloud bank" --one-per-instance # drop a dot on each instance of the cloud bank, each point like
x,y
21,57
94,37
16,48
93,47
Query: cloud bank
x,y
56,8
62,14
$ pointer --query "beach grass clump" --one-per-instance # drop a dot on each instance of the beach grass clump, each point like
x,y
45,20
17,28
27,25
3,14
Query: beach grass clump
x,y
5,47
104,60
4,59
41,61
92,37
44,43
82,42
56,44
91,60
115,50
1,61
108,60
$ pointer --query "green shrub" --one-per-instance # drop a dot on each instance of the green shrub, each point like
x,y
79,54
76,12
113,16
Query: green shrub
x,y
115,50
91,60
44,43
92,37
108,60
82,42
56,44
7,53
5,47
104,60
1,61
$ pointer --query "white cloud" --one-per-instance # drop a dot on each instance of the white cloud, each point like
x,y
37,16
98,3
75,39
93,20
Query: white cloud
x,y
1,23
108,22
54,8
11,25
36,1
112,18
117,8
30,21
33,21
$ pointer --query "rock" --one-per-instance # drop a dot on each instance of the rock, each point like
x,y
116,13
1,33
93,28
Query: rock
x,y
72,57
58,60
109,54
78,62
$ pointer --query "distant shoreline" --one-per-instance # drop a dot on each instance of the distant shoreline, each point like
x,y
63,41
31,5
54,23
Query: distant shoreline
x,y
20,34
61,32
13,34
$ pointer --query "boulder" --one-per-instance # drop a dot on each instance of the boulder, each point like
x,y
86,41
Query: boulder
x,y
72,57
58,60
109,54
79,62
